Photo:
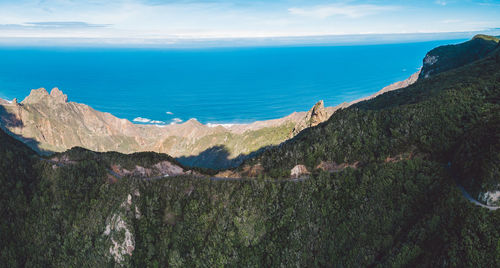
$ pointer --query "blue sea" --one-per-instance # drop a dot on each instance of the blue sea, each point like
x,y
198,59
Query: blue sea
x,y
216,85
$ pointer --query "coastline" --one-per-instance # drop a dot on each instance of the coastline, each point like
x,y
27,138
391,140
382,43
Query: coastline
x,y
295,116
50,123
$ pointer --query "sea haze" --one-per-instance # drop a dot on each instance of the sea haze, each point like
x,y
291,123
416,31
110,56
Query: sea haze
x,y
218,85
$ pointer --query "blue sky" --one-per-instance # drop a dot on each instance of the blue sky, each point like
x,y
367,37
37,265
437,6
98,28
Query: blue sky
x,y
156,21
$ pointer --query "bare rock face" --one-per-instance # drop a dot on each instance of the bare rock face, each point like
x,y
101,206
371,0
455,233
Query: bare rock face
x,y
317,114
42,96
298,171
314,117
49,123
160,169
58,96
36,96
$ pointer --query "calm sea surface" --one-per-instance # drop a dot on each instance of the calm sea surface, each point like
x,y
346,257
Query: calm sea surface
x,y
223,85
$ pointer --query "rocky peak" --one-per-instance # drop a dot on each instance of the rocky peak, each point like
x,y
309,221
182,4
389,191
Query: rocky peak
x,y
41,95
58,95
193,121
36,95
317,114
314,117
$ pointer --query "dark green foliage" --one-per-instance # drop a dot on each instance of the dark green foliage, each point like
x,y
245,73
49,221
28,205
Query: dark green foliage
x,y
444,58
428,119
128,161
404,213
17,184
389,211
477,161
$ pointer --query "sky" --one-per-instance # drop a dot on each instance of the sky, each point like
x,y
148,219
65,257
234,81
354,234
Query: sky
x,y
168,22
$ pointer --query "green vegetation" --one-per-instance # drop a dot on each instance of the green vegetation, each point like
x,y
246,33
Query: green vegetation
x,y
399,207
17,185
430,119
444,58
232,149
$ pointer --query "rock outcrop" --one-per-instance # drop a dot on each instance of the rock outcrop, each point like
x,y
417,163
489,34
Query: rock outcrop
x,y
119,230
449,57
35,96
299,171
50,123
313,117
58,96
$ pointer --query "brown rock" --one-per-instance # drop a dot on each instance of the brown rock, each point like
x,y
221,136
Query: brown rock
x,y
298,171
35,96
313,117
58,96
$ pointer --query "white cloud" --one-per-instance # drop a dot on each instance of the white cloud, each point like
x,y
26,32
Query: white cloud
x,y
351,11
169,113
192,22
157,122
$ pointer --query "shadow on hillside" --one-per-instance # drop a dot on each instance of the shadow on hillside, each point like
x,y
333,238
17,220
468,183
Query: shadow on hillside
x,y
9,120
217,157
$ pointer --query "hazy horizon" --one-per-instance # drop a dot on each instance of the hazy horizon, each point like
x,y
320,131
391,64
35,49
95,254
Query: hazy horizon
x,y
192,43
196,23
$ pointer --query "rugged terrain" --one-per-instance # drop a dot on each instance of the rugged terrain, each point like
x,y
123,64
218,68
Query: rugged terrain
x,y
380,183
49,123
450,117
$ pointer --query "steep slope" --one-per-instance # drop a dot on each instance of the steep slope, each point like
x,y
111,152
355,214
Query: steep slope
x,y
318,114
18,182
390,199
404,213
449,57
49,123
477,160
430,119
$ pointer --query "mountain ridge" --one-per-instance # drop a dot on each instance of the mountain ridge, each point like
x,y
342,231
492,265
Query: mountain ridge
x,y
57,124
376,186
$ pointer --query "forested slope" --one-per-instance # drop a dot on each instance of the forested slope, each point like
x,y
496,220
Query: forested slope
x,y
430,119
397,205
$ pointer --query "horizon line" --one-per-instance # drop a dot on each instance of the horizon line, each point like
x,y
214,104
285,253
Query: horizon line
x,y
241,41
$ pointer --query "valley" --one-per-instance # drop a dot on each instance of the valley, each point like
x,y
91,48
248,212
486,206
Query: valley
x,y
407,177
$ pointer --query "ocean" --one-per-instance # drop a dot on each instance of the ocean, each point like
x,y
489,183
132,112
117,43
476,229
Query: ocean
x,y
213,85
